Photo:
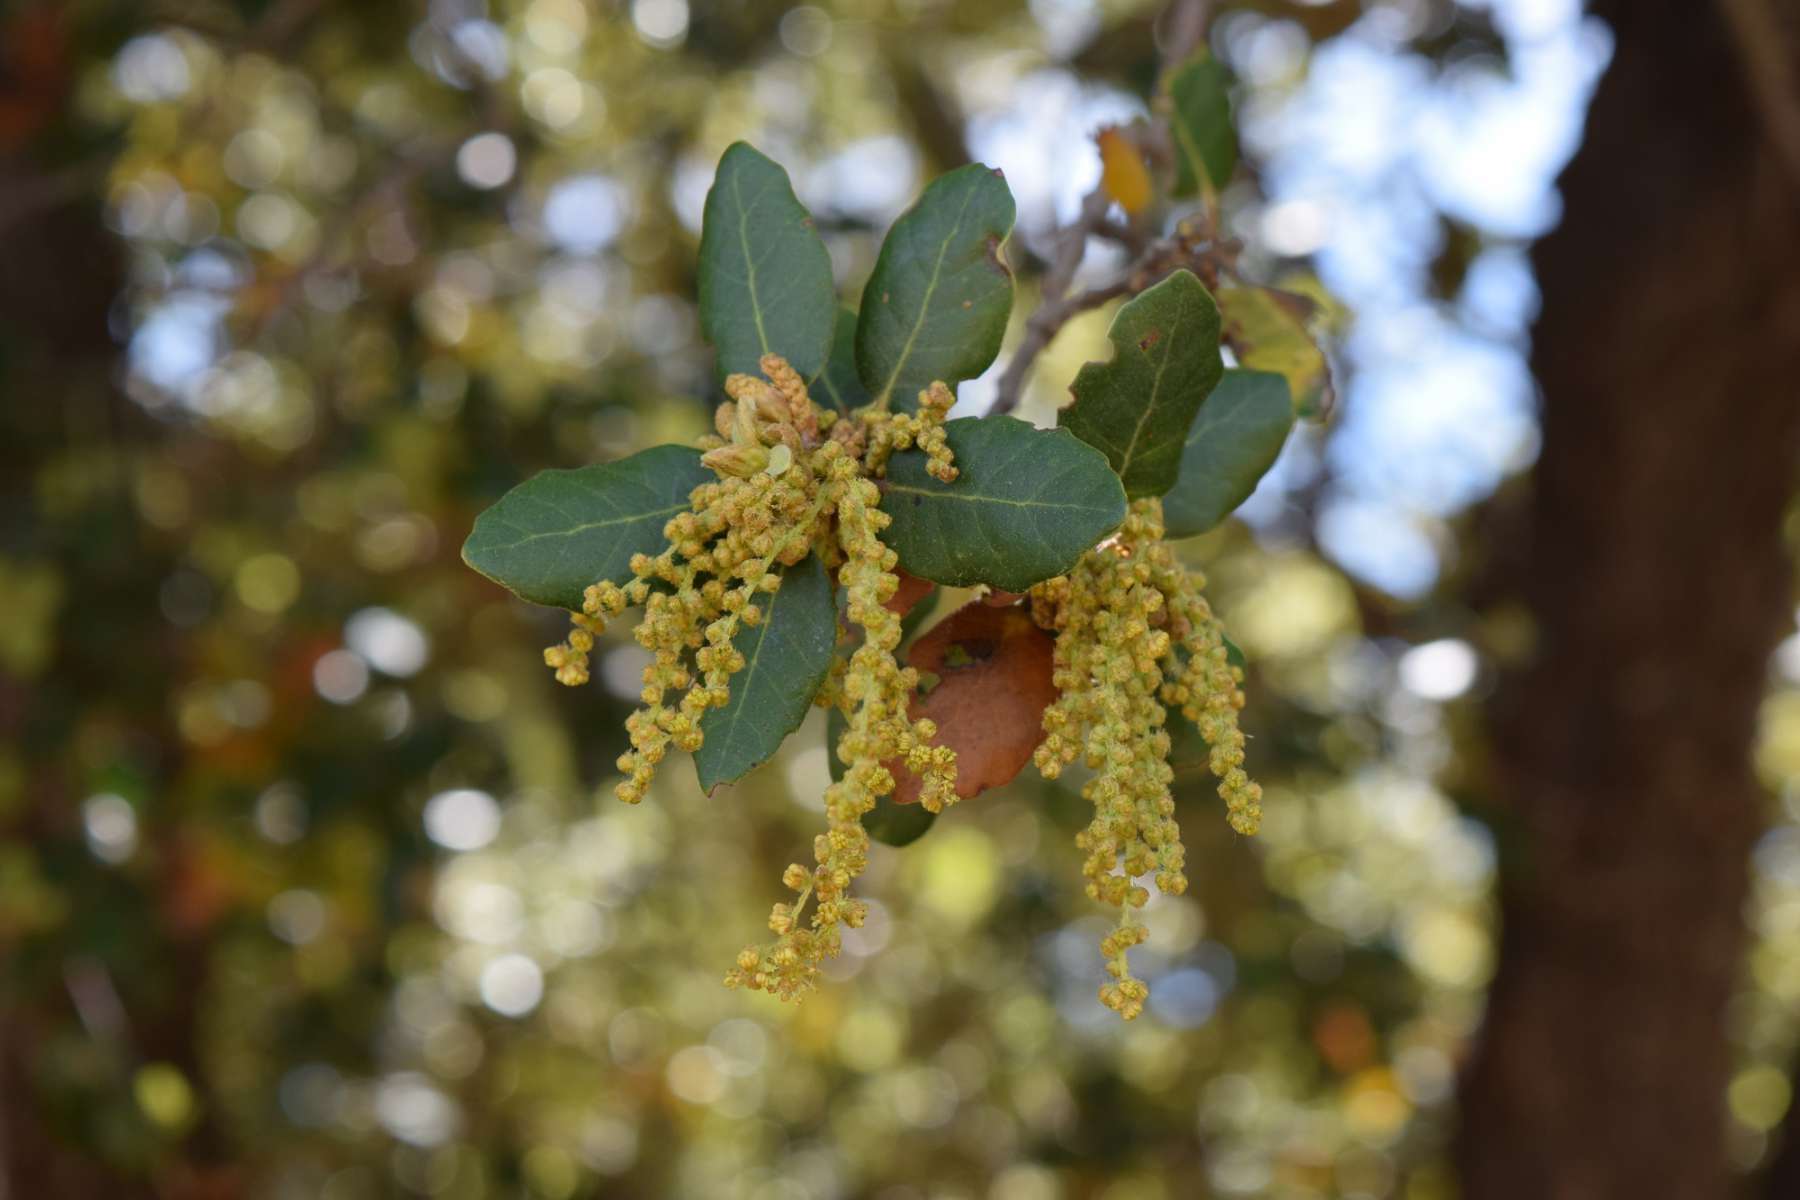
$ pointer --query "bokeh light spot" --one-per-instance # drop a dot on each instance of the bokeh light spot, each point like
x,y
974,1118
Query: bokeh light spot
x,y
340,676
661,23
1440,670
512,985
806,30
387,641
414,1111
462,819
584,213
1759,1096
297,916
111,825
268,583
487,161
164,1095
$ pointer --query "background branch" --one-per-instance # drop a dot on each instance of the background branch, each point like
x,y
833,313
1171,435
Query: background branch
x,y
1183,29
1055,307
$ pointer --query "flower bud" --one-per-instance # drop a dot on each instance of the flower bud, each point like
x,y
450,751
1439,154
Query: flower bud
x,y
737,460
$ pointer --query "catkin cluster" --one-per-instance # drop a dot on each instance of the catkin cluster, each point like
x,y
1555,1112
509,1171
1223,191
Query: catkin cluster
x,y
792,480
873,693
1134,637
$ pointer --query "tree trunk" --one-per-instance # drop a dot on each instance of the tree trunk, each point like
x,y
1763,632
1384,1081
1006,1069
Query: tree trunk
x,y
1669,354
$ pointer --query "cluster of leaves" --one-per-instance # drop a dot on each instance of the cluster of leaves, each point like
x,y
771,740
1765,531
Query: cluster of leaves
x,y
1025,503
1189,154
390,422
1161,423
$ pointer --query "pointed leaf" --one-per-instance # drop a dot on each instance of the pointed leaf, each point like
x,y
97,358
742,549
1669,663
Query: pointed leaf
x,y
786,657
935,307
1233,443
1268,331
1137,408
549,538
839,386
1026,505
1200,119
765,278
889,823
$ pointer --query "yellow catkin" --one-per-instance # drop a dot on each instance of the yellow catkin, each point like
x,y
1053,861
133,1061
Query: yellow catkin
x,y
791,480
1133,635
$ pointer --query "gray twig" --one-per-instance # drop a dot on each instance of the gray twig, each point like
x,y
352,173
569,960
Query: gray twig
x,y
1056,306
1184,28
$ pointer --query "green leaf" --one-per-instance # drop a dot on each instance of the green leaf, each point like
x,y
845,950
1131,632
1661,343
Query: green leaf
x,y
549,538
889,823
765,278
839,386
1233,655
1137,408
1267,329
1200,118
786,657
1026,504
1233,443
935,307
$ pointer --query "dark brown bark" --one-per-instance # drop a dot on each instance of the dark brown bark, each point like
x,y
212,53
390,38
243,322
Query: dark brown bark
x,y
1669,354
1781,1181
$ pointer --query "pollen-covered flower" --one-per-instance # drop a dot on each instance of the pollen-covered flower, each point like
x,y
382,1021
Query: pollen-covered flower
x,y
722,559
873,693
885,432
1133,634
791,480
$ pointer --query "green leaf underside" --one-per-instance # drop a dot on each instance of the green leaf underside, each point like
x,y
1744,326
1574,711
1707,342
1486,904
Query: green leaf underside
x,y
786,658
1205,143
765,277
888,823
935,307
1136,409
550,537
1026,504
1267,330
839,386
1233,443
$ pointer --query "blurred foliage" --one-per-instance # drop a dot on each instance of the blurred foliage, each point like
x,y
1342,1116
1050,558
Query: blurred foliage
x,y
310,879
